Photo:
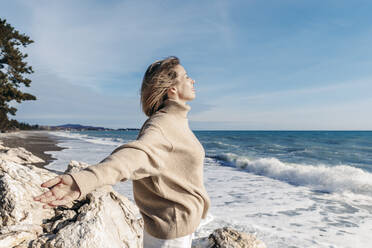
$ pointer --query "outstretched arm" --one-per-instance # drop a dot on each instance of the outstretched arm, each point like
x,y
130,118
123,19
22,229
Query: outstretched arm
x,y
134,160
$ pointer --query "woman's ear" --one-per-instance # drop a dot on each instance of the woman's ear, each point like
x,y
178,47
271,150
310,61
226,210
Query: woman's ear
x,y
172,91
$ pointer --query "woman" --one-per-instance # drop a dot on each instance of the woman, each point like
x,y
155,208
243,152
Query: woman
x,y
165,163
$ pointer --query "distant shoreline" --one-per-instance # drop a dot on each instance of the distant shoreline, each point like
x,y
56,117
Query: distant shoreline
x,y
37,142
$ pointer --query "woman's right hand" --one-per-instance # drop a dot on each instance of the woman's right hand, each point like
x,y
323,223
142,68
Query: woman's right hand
x,y
62,190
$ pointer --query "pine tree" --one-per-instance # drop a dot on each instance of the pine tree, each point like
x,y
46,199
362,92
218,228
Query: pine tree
x,y
12,70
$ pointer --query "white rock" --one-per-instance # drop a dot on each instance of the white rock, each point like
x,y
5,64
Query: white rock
x,y
19,155
227,237
104,219
18,235
19,184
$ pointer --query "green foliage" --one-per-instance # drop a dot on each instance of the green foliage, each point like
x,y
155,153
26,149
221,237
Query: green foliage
x,y
14,124
12,70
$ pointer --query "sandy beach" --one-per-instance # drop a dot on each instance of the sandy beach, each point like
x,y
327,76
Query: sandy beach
x,y
37,142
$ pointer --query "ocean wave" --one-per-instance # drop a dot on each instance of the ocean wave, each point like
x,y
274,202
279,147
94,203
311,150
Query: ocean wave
x,y
221,144
87,138
340,178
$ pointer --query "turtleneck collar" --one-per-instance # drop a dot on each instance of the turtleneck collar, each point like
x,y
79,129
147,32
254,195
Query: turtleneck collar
x,y
176,107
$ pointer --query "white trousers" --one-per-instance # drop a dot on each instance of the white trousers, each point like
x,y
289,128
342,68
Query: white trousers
x,y
152,242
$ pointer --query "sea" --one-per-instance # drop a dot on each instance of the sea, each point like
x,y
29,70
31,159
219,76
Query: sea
x,y
289,188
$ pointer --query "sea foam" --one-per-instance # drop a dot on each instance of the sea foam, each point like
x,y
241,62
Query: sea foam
x,y
340,178
90,139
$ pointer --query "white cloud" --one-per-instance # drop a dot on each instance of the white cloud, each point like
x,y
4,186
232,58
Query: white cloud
x,y
87,44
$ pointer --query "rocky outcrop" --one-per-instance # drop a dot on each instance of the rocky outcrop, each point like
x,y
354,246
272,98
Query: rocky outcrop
x,y
103,219
18,155
18,184
227,237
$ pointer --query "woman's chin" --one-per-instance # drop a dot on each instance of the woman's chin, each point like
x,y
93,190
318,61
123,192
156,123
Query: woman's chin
x,y
192,97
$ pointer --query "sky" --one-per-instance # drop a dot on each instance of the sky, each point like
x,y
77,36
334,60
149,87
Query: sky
x,y
258,65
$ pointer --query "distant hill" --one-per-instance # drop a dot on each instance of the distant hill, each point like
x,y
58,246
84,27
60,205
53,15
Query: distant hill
x,y
79,127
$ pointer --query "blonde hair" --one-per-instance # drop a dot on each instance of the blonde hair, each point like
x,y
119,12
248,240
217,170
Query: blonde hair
x,y
158,78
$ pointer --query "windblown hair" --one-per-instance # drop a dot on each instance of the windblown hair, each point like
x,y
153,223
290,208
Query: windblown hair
x,y
159,77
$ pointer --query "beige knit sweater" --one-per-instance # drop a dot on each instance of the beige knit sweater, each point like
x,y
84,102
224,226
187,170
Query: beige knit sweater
x,y
165,163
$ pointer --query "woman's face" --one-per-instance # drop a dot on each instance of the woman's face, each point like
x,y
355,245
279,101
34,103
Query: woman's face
x,y
185,85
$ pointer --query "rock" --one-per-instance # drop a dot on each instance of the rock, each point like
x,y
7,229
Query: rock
x,y
228,238
18,235
75,166
106,219
18,185
18,155
103,219
2,147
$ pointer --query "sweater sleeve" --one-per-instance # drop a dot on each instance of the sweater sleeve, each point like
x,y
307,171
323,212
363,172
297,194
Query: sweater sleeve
x,y
140,158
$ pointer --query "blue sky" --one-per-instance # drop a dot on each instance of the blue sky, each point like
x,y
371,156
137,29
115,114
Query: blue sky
x,y
258,65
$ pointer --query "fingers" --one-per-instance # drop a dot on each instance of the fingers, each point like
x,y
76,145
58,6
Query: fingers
x,y
46,197
48,184
60,192
59,202
54,193
65,200
51,182
48,206
42,196
53,202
